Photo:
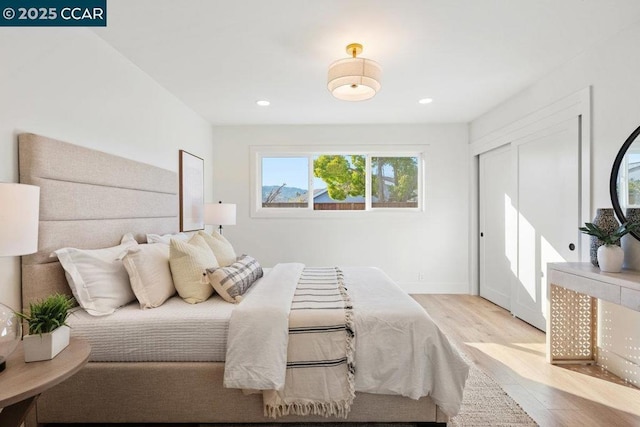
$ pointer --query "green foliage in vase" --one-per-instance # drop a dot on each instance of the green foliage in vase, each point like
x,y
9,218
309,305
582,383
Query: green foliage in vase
x,y
609,238
48,314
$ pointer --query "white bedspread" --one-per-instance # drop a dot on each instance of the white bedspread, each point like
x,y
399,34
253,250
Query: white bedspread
x,y
174,332
259,331
399,350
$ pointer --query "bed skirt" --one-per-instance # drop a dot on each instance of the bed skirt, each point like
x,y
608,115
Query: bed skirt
x,y
190,392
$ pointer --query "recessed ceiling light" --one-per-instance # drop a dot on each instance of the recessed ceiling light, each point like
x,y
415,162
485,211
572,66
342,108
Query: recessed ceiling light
x,y
425,101
263,103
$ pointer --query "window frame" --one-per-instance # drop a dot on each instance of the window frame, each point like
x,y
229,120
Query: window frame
x,y
258,152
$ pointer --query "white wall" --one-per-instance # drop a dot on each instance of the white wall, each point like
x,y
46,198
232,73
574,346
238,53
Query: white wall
x,y
610,69
434,242
69,84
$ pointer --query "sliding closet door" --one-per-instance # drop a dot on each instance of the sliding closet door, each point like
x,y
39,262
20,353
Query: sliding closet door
x,y
548,193
498,262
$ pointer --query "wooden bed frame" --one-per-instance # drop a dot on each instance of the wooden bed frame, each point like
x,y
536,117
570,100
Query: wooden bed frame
x,y
90,199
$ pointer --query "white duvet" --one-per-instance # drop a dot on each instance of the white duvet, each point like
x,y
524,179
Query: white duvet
x,y
399,350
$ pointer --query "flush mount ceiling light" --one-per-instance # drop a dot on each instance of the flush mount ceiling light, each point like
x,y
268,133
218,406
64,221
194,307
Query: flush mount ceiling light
x,y
354,79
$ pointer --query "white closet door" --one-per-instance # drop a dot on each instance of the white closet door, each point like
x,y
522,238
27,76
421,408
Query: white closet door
x,y
548,203
498,226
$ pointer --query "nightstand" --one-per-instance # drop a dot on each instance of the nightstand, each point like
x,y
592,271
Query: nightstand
x,y
21,383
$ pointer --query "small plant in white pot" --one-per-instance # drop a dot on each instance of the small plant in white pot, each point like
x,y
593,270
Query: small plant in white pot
x,y
610,255
48,329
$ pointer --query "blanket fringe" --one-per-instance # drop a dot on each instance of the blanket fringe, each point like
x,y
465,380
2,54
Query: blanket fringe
x,y
351,335
326,409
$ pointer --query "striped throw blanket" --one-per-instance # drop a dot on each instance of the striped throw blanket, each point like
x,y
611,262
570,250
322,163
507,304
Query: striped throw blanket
x,y
320,353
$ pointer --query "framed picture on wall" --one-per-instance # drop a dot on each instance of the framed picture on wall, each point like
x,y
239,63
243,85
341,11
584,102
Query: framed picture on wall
x,y
191,192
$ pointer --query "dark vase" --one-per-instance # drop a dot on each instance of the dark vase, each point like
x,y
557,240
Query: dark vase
x,y
606,220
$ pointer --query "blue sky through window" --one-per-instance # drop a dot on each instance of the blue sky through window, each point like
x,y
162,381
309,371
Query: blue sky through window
x,y
294,171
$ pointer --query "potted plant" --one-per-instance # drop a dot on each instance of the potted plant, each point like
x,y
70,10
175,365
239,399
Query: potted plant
x,y
610,255
48,329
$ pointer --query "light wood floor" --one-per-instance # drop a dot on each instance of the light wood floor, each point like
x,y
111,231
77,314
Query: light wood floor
x,y
513,353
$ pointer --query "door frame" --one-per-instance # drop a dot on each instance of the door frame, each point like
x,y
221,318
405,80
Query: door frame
x,y
578,105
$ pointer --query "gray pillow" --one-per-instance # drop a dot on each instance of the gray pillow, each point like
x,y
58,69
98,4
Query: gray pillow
x,y
231,282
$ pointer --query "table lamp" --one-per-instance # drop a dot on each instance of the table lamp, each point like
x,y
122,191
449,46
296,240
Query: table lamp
x,y
220,214
19,213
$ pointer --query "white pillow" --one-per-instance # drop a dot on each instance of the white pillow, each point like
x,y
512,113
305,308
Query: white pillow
x,y
221,248
188,261
166,238
97,277
149,273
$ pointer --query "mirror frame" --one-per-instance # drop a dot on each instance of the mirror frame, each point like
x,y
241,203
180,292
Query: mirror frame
x,y
613,180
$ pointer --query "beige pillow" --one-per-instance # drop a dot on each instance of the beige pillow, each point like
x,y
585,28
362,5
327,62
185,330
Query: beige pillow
x,y
188,261
221,248
149,274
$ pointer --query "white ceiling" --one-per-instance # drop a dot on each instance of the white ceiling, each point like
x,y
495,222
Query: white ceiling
x,y
219,57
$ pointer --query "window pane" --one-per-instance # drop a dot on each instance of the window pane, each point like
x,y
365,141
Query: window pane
x,y
633,176
394,182
285,182
339,182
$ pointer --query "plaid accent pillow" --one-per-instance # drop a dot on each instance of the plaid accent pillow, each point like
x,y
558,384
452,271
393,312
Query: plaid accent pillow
x,y
233,281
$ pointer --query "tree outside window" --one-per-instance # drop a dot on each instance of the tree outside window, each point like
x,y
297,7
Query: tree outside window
x,y
339,182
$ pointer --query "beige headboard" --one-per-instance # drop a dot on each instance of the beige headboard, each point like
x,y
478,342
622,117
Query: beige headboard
x,y
89,199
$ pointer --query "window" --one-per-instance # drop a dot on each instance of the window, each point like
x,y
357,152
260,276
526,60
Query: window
x,y
285,182
394,182
289,181
339,182
630,176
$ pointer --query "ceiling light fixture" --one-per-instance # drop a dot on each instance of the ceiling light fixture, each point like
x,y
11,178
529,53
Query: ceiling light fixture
x,y
425,101
263,103
354,79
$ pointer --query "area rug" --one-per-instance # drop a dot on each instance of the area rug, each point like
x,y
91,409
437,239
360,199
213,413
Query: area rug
x,y
484,403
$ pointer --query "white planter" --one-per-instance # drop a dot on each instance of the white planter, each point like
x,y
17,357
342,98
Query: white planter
x,y
610,258
45,346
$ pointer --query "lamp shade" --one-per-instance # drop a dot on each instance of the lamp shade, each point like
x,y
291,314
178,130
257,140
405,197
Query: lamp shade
x,y
19,213
354,79
220,214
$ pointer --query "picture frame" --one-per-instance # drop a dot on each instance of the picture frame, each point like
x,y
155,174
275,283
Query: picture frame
x,y
191,171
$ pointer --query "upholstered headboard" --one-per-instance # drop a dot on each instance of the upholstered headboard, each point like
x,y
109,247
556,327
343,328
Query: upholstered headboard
x,y
88,199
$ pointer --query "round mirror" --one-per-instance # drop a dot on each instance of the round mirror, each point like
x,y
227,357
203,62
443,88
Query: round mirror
x,y
624,184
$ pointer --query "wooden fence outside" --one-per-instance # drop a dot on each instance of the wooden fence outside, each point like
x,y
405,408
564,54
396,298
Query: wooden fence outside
x,y
341,206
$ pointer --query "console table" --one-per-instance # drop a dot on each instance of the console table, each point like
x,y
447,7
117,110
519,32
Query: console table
x,y
21,383
573,290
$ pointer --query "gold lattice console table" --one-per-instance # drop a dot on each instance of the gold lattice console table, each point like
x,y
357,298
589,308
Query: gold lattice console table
x,y
573,290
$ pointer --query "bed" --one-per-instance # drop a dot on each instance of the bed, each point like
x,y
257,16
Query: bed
x,y
90,199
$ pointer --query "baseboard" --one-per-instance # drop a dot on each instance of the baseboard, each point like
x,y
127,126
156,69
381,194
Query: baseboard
x,y
434,288
618,365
